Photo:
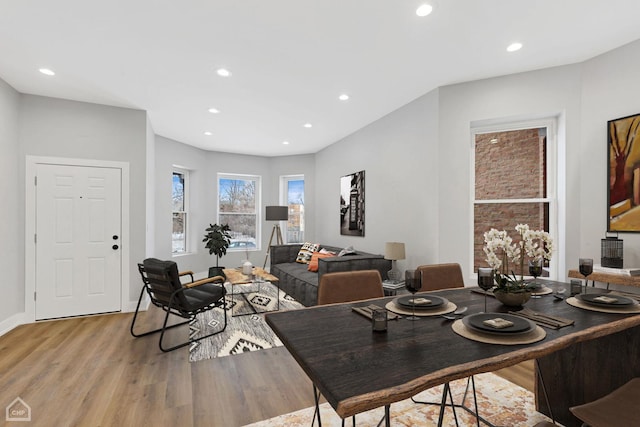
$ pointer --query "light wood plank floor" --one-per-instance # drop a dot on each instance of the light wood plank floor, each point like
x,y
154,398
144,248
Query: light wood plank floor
x,y
90,371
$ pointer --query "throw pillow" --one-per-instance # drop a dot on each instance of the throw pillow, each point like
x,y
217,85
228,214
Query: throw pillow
x,y
313,264
326,251
306,251
347,251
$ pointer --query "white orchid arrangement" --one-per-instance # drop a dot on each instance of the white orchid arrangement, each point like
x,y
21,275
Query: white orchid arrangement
x,y
500,249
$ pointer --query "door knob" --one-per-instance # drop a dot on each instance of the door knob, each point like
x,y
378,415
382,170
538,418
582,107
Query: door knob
x,y
115,237
114,247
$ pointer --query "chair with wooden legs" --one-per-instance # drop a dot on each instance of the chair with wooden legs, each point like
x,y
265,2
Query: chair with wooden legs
x,y
161,281
347,286
618,408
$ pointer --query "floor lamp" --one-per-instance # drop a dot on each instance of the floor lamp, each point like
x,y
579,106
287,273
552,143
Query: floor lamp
x,y
275,213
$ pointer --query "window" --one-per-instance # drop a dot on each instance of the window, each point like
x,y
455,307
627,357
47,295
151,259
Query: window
x,y
514,183
238,206
179,203
292,195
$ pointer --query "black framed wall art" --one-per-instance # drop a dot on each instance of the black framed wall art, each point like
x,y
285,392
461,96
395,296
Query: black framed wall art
x,y
352,204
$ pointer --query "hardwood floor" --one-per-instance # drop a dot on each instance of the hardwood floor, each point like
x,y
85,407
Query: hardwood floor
x,y
90,371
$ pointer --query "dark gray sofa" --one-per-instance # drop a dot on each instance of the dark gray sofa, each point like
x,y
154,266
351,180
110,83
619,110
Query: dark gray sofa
x,y
302,284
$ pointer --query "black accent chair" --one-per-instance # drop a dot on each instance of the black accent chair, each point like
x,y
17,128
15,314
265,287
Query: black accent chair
x,y
161,281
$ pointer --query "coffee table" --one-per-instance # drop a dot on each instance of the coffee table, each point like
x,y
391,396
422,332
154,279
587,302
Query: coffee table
x,y
236,277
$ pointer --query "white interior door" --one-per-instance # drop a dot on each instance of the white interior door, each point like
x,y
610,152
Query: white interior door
x,y
78,233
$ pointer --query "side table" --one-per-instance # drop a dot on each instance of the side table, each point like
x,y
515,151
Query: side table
x,y
392,287
618,279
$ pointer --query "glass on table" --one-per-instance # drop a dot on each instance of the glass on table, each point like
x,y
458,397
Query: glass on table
x,y
585,266
485,282
413,283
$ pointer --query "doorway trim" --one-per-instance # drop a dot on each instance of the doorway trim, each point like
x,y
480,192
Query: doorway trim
x,y
30,226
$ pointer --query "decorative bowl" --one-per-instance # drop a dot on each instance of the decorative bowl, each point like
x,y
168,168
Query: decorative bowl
x,y
512,299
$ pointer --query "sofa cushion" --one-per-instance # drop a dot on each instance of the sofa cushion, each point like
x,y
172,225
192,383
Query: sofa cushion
x,y
313,264
306,251
347,251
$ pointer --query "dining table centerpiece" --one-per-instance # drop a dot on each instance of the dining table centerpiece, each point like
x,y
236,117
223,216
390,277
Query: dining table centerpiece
x,y
503,252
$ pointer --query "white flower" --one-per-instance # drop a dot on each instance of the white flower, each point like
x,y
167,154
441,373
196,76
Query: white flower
x,y
500,248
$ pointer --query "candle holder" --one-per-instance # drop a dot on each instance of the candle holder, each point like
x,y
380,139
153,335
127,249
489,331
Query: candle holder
x,y
379,320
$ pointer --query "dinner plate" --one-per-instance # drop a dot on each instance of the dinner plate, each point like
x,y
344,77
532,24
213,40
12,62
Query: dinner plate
x,y
520,325
423,302
619,302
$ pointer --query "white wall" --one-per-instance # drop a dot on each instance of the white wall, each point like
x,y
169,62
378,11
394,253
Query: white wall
x,y
204,167
417,163
399,154
60,128
428,143
610,91
12,218
151,192
544,93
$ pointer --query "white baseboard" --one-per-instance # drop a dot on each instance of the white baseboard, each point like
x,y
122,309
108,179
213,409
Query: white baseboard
x,y
11,323
20,318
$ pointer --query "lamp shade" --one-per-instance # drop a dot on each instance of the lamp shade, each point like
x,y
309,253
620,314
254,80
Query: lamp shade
x,y
277,213
393,250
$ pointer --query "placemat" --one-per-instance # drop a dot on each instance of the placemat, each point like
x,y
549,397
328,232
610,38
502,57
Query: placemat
x,y
447,308
543,291
619,310
538,334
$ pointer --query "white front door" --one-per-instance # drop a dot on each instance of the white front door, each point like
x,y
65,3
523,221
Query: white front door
x,y
78,235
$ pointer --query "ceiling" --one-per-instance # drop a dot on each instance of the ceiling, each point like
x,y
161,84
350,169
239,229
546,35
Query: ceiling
x,y
289,59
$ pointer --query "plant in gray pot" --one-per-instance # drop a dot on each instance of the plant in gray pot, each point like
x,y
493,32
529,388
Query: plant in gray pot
x,y
217,239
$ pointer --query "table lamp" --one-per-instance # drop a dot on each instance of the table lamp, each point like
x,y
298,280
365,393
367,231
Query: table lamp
x,y
394,251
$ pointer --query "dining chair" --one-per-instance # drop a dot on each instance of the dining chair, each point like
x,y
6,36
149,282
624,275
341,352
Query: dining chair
x,y
437,277
347,286
441,276
618,408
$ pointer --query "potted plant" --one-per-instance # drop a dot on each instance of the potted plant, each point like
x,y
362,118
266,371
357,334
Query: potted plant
x,y
500,249
217,239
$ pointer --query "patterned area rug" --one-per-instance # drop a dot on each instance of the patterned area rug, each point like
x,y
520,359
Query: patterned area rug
x,y
499,401
243,333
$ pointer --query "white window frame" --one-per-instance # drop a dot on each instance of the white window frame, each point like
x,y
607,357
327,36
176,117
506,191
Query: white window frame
x,y
553,151
186,190
258,204
284,199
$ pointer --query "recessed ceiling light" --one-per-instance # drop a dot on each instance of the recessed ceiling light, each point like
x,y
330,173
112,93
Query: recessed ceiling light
x,y
343,97
424,10
223,72
214,110
208,133
514,46
308,125
285,142
47,72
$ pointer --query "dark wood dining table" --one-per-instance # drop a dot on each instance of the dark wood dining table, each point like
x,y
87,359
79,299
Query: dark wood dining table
x,y
356,369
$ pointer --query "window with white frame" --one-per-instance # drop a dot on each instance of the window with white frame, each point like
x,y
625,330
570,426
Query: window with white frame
x,y
238,206
292,196
515,182
180,210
